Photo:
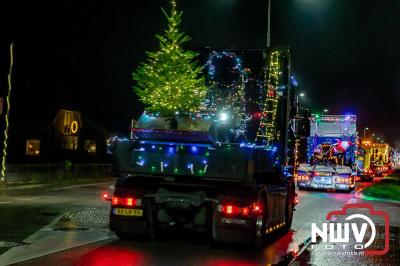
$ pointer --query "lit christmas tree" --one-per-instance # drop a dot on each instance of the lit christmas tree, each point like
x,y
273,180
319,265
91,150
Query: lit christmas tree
x,y
171,80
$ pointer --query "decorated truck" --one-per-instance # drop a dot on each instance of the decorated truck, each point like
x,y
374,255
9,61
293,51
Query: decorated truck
x,y
332,147
375,160
222,171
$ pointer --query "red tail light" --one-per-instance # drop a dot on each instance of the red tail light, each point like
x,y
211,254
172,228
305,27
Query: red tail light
x,y
257,208
114,201
129,202
296,200
235,210
105,196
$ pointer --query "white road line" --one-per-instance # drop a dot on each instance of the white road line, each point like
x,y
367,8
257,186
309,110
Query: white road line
x,y
85,185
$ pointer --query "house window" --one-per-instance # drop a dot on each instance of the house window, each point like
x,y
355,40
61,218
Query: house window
x,y
70,143
67,122
90,146
33,147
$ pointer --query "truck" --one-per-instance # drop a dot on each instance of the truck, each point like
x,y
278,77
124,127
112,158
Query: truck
x,y
375,160
331,154
213,172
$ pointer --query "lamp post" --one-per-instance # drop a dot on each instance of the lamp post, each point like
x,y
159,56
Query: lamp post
x,y
269,25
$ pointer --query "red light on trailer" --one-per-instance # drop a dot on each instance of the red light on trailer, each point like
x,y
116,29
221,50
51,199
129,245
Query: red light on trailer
x,y
114,200
296,200
256,208
105,196
229,209
245,211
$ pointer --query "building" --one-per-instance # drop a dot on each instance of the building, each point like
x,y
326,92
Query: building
x,y
71,136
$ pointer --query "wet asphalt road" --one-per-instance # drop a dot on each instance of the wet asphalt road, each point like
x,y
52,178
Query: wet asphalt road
x,y
181,249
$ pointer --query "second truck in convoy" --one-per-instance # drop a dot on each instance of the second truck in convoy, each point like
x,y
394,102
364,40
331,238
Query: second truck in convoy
x,y
332,147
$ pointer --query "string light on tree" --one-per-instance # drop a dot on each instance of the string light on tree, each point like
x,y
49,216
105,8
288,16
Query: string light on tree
x,y
171,80
5,140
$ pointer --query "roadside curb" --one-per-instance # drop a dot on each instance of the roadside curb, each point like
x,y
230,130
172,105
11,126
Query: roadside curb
x,y
25,187
361,195
35,186
36,245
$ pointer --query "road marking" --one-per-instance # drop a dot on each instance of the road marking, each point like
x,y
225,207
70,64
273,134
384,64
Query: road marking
x,y
5,202
30,198
85,185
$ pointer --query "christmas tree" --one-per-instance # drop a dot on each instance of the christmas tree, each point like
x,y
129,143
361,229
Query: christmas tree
x,y
171,80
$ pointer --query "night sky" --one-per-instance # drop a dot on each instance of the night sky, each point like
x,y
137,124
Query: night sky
x,y
80,54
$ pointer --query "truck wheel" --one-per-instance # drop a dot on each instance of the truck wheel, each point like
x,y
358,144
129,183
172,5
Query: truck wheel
x,y
260,225
289,211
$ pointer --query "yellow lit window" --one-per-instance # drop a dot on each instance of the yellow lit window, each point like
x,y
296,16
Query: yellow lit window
x,y
90,146
33,147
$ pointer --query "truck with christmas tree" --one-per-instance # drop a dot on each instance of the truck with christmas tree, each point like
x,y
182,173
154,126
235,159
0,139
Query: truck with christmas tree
x,y
196,160
332,147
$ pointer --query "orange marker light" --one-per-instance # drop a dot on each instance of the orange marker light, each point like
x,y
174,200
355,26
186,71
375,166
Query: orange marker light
x,y
129,201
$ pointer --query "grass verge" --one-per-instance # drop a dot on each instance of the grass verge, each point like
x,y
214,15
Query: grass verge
x,y
388,188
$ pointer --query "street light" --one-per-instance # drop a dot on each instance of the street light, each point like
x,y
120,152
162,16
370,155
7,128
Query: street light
x,y
324,111
269,25
302,94
365,129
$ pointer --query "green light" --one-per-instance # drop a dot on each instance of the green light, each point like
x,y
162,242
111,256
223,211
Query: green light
x,y
207,154
200,172
176,170
153,168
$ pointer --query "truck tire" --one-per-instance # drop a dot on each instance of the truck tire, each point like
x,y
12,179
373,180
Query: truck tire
x,y
289,210
260,225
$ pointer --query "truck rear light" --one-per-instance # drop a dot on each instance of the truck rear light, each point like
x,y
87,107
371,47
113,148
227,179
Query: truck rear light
x,y
257,208
129,202
114,201
105,196
235,210
303,178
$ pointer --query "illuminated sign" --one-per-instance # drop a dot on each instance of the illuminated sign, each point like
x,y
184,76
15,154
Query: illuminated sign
x,y
74,127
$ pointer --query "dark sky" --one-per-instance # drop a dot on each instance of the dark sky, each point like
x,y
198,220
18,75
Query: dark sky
x,y
80,54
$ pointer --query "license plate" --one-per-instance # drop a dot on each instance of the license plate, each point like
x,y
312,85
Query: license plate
x,y
128,212
323,181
